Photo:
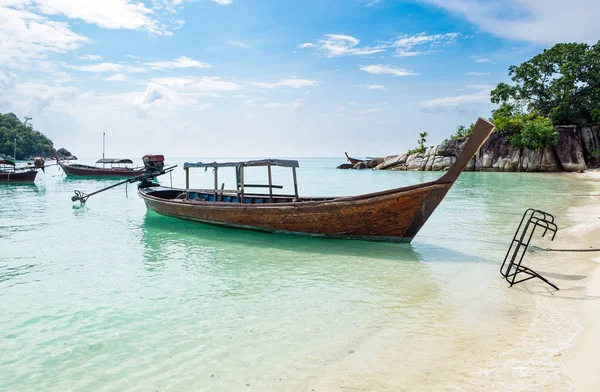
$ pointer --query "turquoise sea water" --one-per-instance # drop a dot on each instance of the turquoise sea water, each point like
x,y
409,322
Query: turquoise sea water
x,y
108,296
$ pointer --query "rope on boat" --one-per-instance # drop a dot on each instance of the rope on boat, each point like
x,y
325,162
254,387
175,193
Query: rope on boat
x,y
539,248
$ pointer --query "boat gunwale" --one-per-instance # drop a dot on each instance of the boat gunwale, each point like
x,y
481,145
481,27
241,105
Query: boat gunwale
x,y
301,203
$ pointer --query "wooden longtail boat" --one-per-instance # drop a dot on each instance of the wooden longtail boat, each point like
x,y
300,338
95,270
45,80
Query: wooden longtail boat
x,y
115,168
393,215
10,173
353,161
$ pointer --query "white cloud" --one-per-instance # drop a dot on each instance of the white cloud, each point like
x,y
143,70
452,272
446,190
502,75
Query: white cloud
x,y
371,3
481,60
222,2
117,78
541,21
105,67
369,110
337,45
384,69
90,57
25,35
376,87
412,53
482,94
238,44
408,41
295,106
274,105
181,62
294,83
109,14
198,84
478,73
427,44
33,97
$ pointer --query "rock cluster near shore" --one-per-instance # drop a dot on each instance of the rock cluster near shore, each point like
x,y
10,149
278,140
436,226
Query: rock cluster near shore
x,y
65,154
578,148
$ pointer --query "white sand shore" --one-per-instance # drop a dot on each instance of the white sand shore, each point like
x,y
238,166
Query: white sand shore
x,y
585,233
550,344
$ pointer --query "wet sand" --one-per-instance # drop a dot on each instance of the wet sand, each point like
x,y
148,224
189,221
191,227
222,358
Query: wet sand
x,y
549,341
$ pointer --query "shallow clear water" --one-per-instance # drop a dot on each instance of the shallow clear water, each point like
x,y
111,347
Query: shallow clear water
x,y
109,296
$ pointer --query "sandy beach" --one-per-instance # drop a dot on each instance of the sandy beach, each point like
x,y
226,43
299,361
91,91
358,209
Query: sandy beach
x,y
583,234
549,342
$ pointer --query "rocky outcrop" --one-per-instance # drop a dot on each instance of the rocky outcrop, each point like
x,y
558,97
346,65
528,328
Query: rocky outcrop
x,y
577,149
590,140
65,154
569,149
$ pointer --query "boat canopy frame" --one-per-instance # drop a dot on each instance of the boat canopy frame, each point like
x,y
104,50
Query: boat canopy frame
x,y
114,161
239,171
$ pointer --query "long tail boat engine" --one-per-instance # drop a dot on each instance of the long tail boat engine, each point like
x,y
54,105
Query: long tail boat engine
x,y
153,163
39,163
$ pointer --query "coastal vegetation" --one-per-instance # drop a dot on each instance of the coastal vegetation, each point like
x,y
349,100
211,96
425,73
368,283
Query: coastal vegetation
x,y
421,144
560,86
30,142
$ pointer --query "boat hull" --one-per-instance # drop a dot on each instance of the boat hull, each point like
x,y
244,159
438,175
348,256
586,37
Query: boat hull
x,y
391,216
22,177
90,171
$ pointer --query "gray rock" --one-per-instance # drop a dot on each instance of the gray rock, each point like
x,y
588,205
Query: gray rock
x,y
345,166
416,162
569,149
590,139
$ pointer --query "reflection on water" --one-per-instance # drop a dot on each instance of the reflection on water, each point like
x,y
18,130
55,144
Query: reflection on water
x,y
108,296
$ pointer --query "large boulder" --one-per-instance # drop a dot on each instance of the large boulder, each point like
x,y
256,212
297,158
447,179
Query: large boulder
x,y
590,139
569,149
65,154
416,162
540,161
451,148
391,161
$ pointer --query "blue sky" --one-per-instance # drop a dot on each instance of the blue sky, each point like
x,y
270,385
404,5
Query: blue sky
x,y
267,78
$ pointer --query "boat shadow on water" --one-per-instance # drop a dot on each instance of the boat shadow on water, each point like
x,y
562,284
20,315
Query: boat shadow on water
x,y
160,230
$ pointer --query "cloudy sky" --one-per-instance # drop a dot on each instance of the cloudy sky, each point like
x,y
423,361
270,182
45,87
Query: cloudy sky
x,y
267,77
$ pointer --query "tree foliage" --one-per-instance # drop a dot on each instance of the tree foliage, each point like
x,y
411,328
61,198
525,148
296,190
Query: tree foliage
x,y
562,83
462,132
29,141
525,130
421,149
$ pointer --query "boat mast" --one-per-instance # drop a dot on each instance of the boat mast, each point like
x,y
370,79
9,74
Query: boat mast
x,y
15,156
103,146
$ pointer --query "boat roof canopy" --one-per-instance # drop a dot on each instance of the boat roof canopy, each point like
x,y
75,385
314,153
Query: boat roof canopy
x,y
111,160
6,162
260,162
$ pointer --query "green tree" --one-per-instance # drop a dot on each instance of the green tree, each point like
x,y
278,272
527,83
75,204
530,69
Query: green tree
x,y
462,132
29,141
525,130
422,140
562,83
